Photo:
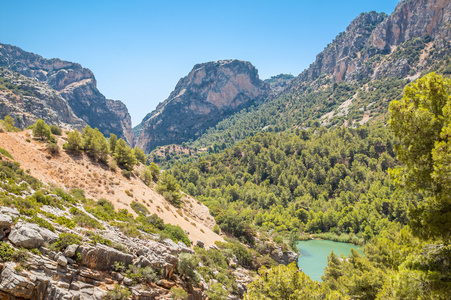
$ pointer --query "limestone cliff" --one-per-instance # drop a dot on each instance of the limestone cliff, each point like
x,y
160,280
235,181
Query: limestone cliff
x,y
209,93
77,85
352,55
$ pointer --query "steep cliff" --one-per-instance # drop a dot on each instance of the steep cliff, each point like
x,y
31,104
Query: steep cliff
x,y
208,94
349,56
77,85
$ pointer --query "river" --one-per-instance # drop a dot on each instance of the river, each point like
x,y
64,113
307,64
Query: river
x,y
314,254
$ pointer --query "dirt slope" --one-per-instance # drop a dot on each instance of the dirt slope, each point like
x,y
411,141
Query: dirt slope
x,y
98,181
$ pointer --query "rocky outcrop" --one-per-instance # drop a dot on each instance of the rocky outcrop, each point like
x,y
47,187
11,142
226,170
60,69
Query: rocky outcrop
x,y
35,100
75,84
30,236
210,92
348,57
119,108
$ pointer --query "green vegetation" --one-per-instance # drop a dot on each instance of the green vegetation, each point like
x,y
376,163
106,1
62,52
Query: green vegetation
x,y
6,153
42,131
6,251
64,240
170,189
118,293
312,181
406,259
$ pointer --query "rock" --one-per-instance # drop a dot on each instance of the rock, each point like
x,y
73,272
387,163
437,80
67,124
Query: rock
x,y
5,221
200,243
127,281
70,250
102,257
30,235
117,276
15,284
166,283
62,261
283,257
211,92
13,212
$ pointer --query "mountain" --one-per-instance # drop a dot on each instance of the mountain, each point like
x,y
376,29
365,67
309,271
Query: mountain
x,y
209,93
27,99
353,80
73,83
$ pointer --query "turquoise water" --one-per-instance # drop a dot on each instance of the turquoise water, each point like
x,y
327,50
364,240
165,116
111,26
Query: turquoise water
x,y
314,254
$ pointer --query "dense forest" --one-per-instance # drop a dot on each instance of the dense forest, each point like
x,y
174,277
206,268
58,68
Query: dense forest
x,y
384,185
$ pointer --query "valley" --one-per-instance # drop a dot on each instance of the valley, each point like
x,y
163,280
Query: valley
x,y
210,196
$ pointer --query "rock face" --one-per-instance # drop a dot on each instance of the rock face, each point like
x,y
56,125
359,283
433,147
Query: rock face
x,y
35,100
210,92
75,84
347,57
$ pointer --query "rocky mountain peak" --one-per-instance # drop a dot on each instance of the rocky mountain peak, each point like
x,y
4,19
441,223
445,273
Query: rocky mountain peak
x,y
75,84
210,92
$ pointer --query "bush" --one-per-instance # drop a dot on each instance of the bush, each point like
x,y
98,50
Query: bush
x,y
176,234
6,153
6,251
64,240
178,293
139,208
55,130
20,256
118,293
188,265
53,148
139,275
217,292
66,222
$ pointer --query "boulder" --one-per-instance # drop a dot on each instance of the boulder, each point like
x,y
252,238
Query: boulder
x,y
5,221
9,211
62,261
29,235
70,250
200,244
102,257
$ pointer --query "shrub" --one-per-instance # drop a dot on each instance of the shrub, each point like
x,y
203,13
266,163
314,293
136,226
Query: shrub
x,y
95,238
216,229
140,155
188,265
178,293
64,240
217,292
139,275
42,223
127,174
118,293
9,124
21,255
139,208
123,155
6,251
6,153
176,234
55,130
53,148
66,222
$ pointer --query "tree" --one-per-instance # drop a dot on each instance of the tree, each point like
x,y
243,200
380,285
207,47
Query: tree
x,y
187,266
9,124
286,283
42,130
169,188
155,171
112,141
123,155
140,155
421,120
74,142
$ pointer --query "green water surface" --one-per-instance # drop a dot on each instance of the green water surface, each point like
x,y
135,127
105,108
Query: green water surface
x,y
314,254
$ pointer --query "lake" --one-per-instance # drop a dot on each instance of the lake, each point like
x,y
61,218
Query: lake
x,y
314,254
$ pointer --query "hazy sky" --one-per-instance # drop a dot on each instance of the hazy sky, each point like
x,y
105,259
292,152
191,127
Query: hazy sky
x,y
138,50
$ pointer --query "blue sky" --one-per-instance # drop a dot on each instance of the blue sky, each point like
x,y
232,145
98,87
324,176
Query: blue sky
x,y
138,50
